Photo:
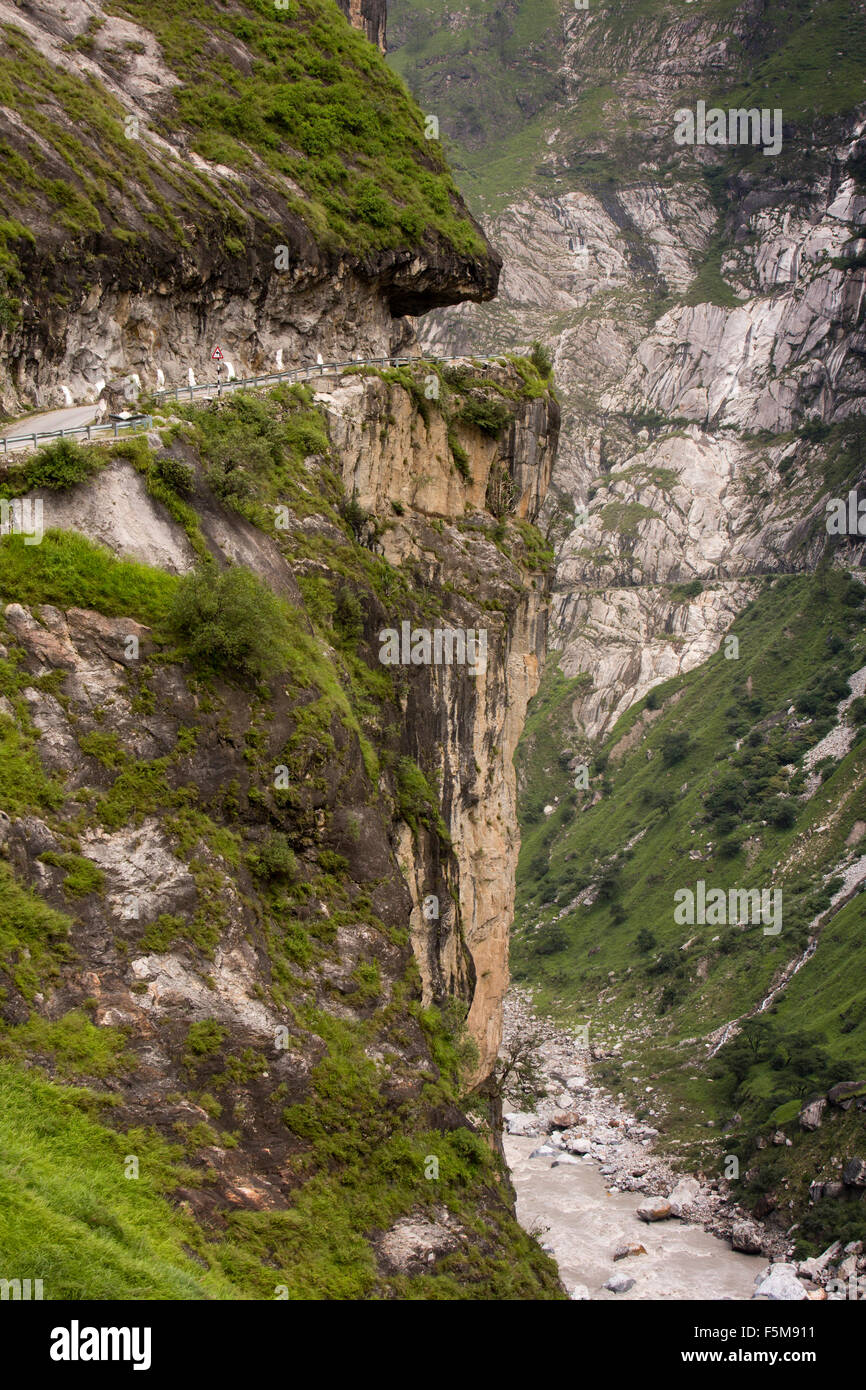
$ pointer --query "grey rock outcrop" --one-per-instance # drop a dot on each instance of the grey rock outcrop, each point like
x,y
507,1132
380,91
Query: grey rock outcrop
x,y
812,1113
780,1283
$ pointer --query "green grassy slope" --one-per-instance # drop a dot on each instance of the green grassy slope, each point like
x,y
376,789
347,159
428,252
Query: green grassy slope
x,y
492,75
709,785
376,1081
318,133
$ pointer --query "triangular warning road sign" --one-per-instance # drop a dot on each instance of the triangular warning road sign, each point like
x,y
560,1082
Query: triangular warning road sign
x,y
217,354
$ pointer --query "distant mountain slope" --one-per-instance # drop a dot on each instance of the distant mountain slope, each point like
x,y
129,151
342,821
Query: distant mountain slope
x,y
747,773
540,96
704,306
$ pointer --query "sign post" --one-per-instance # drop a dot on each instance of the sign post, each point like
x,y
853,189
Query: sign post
x,y
217,356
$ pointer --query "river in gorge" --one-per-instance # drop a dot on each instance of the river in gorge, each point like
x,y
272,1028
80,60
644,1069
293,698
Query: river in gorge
x,y
581,1166
581,1223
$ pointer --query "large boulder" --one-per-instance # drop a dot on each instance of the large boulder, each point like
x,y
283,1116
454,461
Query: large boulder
x,y
684,1195
413,1244
846,1092
748,1237
854,1172
654,1209
813,1112
522,1124
781,1284
619,1283
630,1247
120,394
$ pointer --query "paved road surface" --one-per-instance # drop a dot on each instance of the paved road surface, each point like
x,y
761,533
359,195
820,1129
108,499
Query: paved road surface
x,y
68,418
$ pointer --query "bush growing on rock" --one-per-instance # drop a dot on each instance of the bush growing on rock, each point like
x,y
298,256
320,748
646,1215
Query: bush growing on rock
x,y
490,417
57,465
349,616
230,623
275,859
541,360
174,474
229,480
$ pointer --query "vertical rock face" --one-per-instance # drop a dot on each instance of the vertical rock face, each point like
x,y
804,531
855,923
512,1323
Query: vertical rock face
x,y
468,723
370,16
693,300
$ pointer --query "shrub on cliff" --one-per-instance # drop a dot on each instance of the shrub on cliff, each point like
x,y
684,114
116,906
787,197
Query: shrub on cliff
x,y
416,802
174,474
231,623
541,360
274,859
490,417
57,465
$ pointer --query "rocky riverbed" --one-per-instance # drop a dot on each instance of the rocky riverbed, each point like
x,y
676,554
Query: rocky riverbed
x,y
616,1216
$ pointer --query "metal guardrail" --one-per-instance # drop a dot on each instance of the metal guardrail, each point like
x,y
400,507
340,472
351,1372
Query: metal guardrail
x,y
178,393
137,422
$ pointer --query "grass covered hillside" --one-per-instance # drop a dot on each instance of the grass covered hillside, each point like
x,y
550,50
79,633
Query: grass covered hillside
x,y
747,773
137,128
586,98
218,1076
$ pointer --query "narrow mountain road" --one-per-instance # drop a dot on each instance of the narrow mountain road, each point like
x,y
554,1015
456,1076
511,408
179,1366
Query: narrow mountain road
x,y
69,418
79,416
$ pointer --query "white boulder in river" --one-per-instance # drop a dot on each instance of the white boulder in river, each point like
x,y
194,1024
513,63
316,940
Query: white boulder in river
x,y
780,1283
521,1123
619,1283
683,1195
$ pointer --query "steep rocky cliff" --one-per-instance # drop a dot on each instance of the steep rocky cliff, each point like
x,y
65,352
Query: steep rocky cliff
x,y
252,175
704,306
393,457
250,900
262,676
369,16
